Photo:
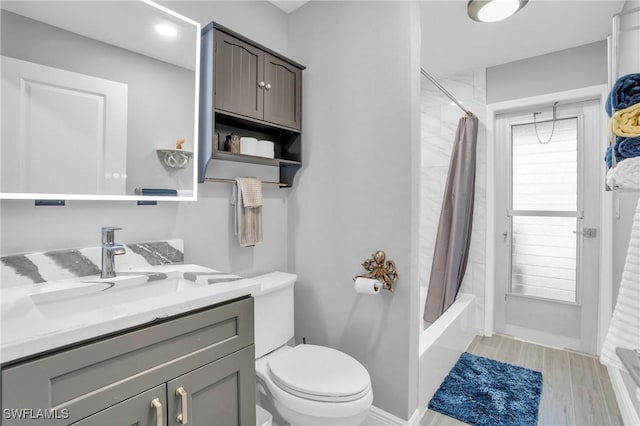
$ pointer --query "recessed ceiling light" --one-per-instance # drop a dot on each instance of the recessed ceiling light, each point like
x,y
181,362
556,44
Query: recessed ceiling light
x,y
493,10
166,30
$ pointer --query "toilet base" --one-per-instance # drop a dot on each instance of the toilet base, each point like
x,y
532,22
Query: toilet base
x,y
283,416
298,419
266,403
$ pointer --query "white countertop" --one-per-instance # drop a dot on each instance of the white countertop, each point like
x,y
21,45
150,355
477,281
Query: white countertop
x,y
30,326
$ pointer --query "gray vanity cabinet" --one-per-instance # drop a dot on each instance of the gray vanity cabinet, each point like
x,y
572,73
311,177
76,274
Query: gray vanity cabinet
x,y
209,354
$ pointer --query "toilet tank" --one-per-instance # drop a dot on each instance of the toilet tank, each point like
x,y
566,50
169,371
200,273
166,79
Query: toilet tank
x,y
273,311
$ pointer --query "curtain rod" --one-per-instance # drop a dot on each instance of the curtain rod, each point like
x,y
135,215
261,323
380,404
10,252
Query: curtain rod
x,y
443,90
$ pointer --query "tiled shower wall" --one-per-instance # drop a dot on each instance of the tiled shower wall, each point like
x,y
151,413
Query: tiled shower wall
x,y
440,119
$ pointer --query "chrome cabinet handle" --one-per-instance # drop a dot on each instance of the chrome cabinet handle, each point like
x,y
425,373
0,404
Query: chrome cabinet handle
x,y
261,84
158,406
267,87
183,417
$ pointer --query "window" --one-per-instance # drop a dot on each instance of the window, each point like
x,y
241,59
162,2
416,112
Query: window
x,y
545,200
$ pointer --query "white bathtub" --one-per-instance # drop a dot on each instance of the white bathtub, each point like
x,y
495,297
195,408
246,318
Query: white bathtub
x,y
441,345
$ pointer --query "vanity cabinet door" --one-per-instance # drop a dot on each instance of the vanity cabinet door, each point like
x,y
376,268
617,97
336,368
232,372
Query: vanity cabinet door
x,y
221,393
137,411
239,76
283,92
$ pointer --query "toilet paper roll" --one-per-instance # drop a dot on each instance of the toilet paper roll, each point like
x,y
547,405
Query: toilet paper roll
x,y
248,146
367,285
265,149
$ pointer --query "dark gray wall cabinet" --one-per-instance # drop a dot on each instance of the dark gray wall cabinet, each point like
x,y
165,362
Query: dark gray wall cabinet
x,y
198,369
249,90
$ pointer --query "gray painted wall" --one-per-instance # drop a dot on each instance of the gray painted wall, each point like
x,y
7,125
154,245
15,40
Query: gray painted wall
x,y
359,186
567,69
150,83
205,225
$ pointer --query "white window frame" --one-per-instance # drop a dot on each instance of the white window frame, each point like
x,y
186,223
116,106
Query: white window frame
x,y
578,213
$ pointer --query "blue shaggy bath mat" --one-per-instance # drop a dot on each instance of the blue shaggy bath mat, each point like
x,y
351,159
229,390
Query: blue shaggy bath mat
x,y
481,391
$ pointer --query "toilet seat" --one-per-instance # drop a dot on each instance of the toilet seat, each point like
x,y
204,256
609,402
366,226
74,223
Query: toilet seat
x,y
318,373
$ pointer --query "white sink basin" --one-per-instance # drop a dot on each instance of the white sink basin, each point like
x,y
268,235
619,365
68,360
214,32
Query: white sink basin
x,y
89,293
40,317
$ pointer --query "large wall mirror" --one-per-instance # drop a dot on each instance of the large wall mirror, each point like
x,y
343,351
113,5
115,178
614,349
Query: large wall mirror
x,y
95,97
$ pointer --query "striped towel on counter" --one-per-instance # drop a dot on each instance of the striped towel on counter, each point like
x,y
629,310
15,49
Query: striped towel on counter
x,y
624,329
247,199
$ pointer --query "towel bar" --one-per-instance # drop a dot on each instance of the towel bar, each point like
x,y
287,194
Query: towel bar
x,y
221,180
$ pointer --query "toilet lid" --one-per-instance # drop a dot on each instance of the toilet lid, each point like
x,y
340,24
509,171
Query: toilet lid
x,y
320,373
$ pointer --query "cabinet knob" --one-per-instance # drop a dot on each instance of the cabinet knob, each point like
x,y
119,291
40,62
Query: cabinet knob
x,y
268,86
261,84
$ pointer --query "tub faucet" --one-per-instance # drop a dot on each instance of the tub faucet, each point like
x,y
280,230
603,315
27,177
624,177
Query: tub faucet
x,y
110,249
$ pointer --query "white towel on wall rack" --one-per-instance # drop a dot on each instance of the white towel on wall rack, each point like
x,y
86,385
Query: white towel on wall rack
x,y
625,175
624,329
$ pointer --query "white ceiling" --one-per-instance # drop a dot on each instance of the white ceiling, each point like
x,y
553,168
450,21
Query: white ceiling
x,y
452,42
288,5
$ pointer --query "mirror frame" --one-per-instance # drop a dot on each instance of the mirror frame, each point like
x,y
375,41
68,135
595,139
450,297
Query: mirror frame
x,y
193,161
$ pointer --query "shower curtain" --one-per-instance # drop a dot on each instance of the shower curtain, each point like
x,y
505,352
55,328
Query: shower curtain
x,y
456,217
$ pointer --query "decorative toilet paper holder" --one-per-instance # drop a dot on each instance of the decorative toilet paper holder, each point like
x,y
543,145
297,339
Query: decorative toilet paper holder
x,y
380,269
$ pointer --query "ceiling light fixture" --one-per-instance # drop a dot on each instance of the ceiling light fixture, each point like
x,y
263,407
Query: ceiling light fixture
x,y
493,10
166,30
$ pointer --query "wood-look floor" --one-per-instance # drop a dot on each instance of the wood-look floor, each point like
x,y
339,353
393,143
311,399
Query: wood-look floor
x,y
576,389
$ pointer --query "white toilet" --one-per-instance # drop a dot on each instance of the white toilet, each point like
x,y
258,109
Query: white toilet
x,y
305,384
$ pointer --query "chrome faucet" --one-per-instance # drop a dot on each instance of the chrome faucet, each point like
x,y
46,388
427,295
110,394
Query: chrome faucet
x,y
110,249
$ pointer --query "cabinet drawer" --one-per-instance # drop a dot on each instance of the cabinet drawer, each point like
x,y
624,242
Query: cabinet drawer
x,y
95,376
134,411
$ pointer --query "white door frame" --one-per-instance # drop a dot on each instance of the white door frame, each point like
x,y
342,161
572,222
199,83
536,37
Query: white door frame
x,y
606,215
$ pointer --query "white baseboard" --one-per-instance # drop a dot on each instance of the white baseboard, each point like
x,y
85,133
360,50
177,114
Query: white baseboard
x,y
627,409
379,417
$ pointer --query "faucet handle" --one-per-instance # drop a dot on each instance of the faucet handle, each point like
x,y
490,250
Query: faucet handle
x,y
108,232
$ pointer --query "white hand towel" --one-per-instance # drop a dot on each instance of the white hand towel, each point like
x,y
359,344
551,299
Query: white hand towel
x,y
625,175
624,329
